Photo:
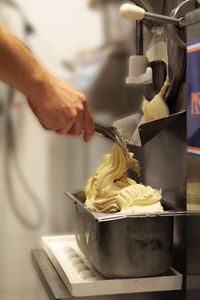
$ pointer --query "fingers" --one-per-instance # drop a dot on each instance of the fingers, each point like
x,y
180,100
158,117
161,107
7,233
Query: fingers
x,y
84,121
76,122
81,119
77,127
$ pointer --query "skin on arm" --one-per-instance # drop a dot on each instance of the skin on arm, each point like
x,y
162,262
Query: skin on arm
x,y
57,105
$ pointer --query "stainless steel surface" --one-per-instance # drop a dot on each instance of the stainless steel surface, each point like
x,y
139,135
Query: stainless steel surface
x,y
134,246
166,19
147,130
138,132
139,37
128,125
176,42
179,12
164,160
169,210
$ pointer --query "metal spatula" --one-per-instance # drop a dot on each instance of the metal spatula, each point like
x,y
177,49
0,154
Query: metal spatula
x,y
138,132
112,133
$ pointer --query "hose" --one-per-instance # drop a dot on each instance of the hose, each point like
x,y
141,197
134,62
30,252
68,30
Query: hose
x,y
11,160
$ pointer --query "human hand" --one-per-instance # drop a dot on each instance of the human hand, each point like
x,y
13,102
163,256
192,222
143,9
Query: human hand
x,y
61,108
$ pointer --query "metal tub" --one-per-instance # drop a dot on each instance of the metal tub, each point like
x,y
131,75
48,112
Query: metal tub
x,y
120,245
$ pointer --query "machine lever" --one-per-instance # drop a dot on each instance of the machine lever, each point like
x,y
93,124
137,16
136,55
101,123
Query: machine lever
x,y
134,12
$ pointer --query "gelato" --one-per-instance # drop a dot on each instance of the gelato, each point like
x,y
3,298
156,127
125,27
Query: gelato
x,y
111,190
139,198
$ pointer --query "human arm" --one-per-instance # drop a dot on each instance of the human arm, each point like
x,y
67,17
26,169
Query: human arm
x,y
57,105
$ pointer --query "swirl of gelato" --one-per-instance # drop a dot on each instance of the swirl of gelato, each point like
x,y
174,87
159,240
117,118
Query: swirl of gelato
x,y
102,189
139,198
111,190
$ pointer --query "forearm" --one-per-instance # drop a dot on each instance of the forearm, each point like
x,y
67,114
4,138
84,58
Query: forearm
x,y
18,67
58,106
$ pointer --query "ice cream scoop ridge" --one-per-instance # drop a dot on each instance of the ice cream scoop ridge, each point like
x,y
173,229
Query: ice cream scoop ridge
x,y
111,190
139,198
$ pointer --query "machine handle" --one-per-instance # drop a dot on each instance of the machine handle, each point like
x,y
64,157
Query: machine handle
x,y
134,12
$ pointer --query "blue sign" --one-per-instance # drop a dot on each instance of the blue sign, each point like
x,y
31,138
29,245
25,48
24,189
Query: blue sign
x,y
193,103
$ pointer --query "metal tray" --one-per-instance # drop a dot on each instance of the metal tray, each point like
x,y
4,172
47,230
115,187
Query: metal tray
x,y
124,245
